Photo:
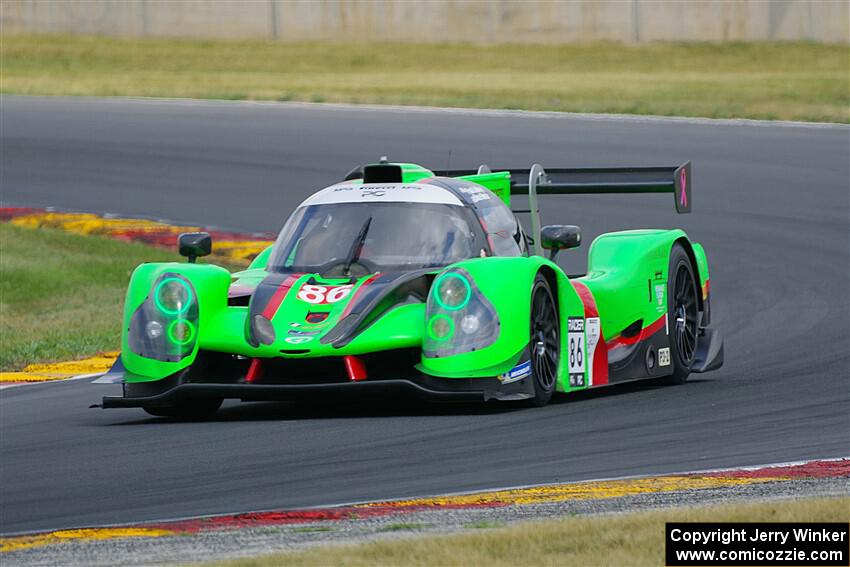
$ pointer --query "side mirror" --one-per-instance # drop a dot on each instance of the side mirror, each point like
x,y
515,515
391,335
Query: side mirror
x,y
193,245
557,237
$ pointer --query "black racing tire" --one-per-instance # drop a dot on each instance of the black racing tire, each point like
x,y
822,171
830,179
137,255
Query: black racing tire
x,y
682,314
193,408
545,341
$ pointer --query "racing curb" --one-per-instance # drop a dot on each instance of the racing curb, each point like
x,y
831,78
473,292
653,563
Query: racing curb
x,y
234,246
539,494
54,371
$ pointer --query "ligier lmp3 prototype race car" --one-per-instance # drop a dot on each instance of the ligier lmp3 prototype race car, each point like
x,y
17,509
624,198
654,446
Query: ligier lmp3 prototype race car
x,y
401,279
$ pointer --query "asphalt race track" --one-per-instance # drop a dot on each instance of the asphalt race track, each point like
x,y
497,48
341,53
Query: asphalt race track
x,y
771,208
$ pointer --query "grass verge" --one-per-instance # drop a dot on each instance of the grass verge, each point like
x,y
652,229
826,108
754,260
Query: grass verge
x,y
792,81
627,539
61,294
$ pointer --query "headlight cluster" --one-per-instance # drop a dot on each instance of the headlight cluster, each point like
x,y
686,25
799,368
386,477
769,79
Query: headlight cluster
x,y
458,317
263,329
165,326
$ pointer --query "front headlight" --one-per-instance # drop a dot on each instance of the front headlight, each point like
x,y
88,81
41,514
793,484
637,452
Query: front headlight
x,y
263,330
458,317
453,291
165,326
173,296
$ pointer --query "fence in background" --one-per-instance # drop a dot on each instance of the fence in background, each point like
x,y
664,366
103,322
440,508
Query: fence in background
x,y
430,21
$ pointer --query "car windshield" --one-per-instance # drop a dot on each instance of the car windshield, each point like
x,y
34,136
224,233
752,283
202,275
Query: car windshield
x,y
358,238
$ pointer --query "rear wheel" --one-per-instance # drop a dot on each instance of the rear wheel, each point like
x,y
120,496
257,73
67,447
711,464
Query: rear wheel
x,y
187,409
545,341
682,313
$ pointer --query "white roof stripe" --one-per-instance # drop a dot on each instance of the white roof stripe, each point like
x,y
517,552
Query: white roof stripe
x,y
383,193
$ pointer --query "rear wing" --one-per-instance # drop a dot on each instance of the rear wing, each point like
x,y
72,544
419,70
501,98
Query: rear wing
x,y
593,181
538,181
587,181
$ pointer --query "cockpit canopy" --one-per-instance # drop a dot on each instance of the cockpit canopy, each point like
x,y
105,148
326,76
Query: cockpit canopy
x,y
356,229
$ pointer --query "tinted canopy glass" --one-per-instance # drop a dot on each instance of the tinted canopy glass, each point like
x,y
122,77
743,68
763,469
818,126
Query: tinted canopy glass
x,y
380,236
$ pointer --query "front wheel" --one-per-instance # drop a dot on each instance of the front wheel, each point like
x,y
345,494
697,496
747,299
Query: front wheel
x,y
187,409
682,313
545,341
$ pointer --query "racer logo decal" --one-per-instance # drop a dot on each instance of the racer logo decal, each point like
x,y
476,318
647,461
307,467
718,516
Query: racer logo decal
x,y
518,372
683,182
576,350
297,340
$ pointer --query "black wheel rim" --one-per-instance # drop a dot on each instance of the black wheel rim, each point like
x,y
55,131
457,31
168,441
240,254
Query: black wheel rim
x,y
686,312
545,339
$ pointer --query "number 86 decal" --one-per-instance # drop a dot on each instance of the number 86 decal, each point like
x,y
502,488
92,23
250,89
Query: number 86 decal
x,y
576,356
324,294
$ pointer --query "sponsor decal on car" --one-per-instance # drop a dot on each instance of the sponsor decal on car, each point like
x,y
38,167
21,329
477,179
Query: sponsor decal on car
x,y
659,297
576,354
324,294
315,317
475,194
383,192
664,356
297,333
593,333
518,372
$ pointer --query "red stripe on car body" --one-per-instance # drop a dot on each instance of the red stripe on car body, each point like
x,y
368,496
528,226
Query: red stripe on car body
x,y
645,333
274,303
357,293
600,355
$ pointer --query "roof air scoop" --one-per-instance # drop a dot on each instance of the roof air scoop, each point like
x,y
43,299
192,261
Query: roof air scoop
x,y
382,173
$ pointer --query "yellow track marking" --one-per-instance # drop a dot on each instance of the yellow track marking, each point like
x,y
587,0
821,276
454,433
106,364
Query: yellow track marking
x,y
578,491
61,370
595,490
240,249
16,543
87,223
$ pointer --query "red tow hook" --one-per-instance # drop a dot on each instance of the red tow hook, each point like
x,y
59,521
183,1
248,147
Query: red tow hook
x,y
255,371
355,368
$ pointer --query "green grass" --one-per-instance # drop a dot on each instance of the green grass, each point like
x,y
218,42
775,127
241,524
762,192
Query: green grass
x,y
313,529
403,527
61,294
484,525
794,81
623,539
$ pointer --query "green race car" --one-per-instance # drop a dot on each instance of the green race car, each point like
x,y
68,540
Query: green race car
x,y
405,280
